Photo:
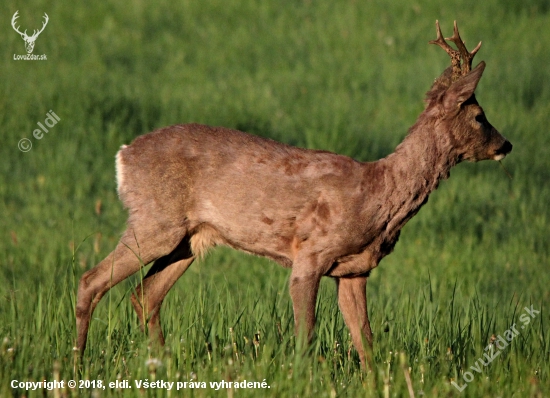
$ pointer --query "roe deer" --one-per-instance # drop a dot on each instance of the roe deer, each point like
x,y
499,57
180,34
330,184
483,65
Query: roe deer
x,y
190,187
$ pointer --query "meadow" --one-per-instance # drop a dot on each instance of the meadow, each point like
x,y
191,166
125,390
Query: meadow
x,y
344,76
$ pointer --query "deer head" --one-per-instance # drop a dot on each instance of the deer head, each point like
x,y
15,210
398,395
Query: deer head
x,y
452,101
29,40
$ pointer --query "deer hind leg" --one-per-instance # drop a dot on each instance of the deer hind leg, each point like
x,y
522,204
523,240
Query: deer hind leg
x,y
352,299
150,293
137,247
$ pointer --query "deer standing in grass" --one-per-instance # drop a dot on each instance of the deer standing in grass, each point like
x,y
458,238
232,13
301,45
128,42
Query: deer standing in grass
x,y
191,187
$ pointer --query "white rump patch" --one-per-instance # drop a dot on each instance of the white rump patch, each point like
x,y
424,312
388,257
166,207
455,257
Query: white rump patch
x,y
119,169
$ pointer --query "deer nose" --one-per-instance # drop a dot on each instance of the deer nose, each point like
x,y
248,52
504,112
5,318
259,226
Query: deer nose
x,y
505,149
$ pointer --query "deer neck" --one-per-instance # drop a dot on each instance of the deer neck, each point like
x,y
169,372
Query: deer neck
x,y
413,171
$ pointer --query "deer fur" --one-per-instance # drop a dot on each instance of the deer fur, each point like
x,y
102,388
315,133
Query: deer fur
x,y
191,187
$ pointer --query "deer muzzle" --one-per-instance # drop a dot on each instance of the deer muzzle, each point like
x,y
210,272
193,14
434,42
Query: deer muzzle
x,y
504,150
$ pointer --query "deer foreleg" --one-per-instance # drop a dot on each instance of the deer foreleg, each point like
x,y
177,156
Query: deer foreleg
x,y
352,299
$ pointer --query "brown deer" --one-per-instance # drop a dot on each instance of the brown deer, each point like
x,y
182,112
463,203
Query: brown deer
x,y
191,187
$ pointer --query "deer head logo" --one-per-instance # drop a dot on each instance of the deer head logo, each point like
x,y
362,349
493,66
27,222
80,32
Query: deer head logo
x,y
29,40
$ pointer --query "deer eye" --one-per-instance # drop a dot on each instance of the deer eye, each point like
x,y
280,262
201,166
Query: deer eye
x,y
480,118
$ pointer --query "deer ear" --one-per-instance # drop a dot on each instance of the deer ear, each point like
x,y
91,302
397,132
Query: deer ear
x,y
462,89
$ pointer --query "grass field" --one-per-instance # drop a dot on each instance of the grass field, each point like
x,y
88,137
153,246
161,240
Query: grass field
x,y
346,76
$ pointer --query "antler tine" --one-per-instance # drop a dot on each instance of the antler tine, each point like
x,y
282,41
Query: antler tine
x,y
467,56
15,16
14,21
440,41
46,19
475,50
454,54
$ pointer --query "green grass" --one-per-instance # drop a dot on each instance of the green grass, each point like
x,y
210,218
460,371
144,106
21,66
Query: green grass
x,y
343,76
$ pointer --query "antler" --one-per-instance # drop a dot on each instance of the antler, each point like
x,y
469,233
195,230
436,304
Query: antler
x,y
467,56
47,19
24,34
459,69
15,16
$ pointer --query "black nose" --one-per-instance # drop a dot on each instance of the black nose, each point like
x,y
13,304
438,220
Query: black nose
x,y
505,149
